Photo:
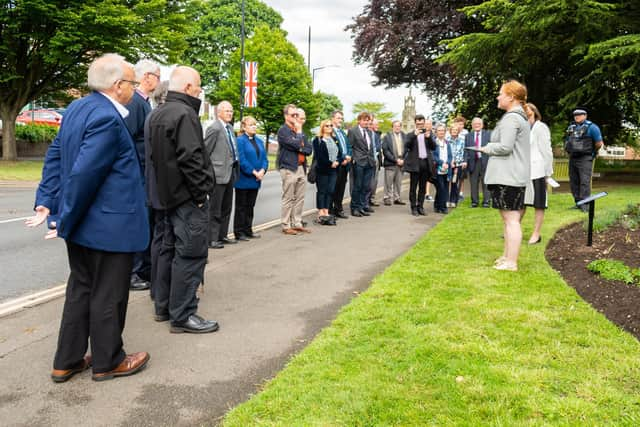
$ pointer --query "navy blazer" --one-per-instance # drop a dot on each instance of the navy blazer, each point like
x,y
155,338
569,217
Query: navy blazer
x,y
290,144
91,180
249,161
470,156
439,162
321,156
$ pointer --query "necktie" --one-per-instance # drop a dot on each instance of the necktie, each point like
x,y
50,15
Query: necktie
x,y
366,138
230,142
477,144
398,145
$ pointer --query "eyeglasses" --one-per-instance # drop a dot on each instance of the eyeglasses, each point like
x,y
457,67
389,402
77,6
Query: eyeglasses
x,y
293,114
133,82
157,76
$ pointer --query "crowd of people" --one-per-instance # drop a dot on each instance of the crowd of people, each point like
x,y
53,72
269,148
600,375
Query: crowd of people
x,y
140,195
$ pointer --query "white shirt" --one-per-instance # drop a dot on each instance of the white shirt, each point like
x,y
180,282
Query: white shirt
x,y
121,108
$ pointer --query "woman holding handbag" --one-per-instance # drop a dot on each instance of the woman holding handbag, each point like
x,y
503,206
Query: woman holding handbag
x,y
327,155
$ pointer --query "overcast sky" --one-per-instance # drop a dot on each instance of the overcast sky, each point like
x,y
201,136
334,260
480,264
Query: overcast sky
x,y
332,45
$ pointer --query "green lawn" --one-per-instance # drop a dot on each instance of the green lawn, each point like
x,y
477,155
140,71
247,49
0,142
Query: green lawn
x,y
24,170
440,338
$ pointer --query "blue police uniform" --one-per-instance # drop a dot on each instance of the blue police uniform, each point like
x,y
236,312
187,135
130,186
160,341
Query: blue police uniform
x,y
580,145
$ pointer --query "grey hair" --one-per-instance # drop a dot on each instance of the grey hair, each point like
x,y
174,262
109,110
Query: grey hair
x,y
160,93
440,126
180,77
301,111
105,71
222,104
477,119
145,66
393,123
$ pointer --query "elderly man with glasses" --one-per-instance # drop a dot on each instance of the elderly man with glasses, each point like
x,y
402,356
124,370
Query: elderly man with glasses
x,y
92,195
292,161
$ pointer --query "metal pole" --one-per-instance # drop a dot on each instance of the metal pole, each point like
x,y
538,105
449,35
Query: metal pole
x,y
592,209
309,51
242,64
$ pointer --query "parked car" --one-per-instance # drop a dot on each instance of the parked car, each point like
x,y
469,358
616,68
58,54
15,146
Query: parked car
x,y
40,117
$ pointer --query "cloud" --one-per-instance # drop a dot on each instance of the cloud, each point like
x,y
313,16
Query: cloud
x,y
332,45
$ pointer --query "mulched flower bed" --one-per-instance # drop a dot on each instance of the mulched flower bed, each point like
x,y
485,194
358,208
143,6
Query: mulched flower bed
x,y
569,254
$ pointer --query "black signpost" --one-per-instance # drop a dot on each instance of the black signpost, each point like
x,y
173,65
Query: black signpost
x,y
591,201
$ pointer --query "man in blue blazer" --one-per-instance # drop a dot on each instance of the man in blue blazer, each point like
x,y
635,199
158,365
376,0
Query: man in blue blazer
x,y
477,162
92,192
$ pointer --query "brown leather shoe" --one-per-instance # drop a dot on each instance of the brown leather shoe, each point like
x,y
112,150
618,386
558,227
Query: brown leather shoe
x,y
302,229
132,364
289,231
62,375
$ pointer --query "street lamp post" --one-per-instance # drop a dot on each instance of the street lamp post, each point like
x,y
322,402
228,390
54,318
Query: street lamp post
x,y
313,74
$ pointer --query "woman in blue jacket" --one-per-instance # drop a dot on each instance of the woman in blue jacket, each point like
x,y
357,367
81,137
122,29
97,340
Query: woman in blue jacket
x,y
327,156
253,163
443,157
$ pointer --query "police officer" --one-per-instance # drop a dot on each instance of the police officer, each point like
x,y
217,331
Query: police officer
x,y
582,143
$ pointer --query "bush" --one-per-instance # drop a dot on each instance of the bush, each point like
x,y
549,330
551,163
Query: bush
x,y
36,133
613,270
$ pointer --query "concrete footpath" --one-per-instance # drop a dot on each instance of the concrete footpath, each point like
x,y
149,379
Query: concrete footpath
x,y
271,296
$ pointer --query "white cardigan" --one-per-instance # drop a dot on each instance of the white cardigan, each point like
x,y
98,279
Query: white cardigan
x,y
541,153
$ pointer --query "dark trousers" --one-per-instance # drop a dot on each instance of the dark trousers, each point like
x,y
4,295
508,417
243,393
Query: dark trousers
x,y
220,205
243,216
162,244
442,193
373,186
476,179
580,168
341,183
454,185
185,235
362,178
326,185
142,260
418,184
95,308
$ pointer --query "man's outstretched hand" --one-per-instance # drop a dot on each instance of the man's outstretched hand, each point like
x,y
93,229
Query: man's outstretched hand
x,y
42,212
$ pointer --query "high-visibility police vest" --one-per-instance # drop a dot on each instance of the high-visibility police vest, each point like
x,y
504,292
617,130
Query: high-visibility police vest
x,y
578,140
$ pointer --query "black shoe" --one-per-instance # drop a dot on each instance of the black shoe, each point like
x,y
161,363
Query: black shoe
x,y
369,210
387,202
242,238
304,223
399,202
138,284
414,211
485,205
421,211
442,211
162,317
341,215
217,244
474,205
357,214
373,203
194,325
364,212
254,236
226,241
429,199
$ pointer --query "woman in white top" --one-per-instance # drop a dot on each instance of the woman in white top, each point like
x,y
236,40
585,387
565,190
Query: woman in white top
x,y
507,172
541,169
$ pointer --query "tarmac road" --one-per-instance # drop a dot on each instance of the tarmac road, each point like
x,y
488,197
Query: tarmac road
x,y
271,297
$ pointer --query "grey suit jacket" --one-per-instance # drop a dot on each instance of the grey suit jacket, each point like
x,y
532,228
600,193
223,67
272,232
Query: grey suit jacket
x,y
362,155
221,156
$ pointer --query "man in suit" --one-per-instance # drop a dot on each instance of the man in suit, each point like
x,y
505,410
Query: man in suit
x,y
477,162
292,161
92,193
377,144
148,74
220,142
337,118
393,150
364,162
418,160
184,178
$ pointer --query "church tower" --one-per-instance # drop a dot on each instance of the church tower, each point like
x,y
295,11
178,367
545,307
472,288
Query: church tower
x,y
408,113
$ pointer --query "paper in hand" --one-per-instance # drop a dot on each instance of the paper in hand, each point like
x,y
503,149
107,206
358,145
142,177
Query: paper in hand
x,y
553,183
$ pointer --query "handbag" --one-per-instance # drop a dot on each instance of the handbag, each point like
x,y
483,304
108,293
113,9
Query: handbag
x,y
313,171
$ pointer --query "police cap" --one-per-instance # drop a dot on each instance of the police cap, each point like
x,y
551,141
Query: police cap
x,y
579,111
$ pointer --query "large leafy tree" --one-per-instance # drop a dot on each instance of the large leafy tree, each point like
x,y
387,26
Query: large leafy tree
x,y
215,34
378,110
45,46
328,104
283,79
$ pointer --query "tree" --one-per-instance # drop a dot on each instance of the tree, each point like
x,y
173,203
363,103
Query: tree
x,y
328,104
216,34
377,109
45,46
283,79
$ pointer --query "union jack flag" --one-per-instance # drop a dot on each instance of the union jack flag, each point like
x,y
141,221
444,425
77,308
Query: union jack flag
x,y
251,84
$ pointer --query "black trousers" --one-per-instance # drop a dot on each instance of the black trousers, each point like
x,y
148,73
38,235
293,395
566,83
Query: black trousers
x,y
142,260
162,247
220,206
476,179
342,174
95,308
243,216
185,236
418,184
442,193
580,168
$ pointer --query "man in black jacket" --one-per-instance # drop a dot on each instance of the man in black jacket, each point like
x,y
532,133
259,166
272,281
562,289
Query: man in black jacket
x,y
184,178
418,159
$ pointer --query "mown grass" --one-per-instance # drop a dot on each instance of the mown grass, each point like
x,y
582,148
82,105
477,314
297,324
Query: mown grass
x,y
23,170
440,338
